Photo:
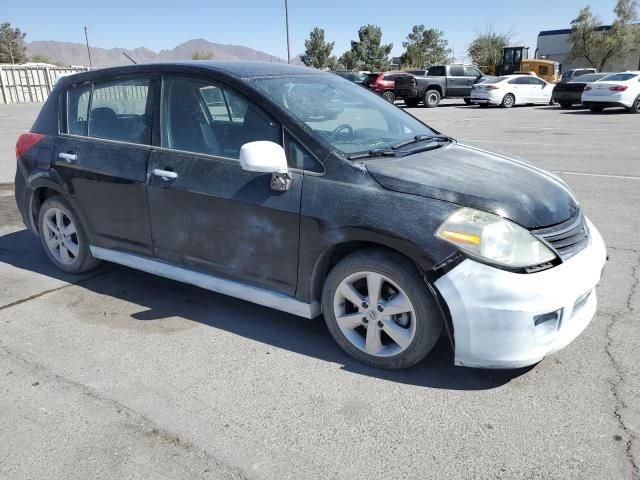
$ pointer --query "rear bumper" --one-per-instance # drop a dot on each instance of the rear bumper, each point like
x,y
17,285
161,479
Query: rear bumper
x,y
406,92
498,316
613,99
20,184
485,100
567,97
592,103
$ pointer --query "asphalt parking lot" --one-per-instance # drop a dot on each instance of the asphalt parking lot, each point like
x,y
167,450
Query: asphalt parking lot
x,y
120,374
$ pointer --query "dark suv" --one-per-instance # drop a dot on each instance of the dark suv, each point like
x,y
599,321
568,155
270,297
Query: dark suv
x,y
298,190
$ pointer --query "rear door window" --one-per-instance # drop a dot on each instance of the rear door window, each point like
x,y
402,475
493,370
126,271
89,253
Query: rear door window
x,y
201,117
78,108
457,71
120,110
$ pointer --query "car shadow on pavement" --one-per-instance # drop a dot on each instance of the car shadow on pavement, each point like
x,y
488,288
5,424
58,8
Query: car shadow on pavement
x,y
161,299
615,111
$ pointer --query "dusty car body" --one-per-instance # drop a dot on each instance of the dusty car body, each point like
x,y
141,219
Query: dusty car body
x,y
299,190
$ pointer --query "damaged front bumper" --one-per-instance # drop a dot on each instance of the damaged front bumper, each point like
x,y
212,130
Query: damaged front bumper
x,y
511,320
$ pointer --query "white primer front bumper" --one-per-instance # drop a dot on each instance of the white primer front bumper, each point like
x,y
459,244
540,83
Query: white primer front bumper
x,y
493,310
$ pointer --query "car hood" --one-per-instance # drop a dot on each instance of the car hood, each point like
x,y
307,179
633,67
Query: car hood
x,y
475,178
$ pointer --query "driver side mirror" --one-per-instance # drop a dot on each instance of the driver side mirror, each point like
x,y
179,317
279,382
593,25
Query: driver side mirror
x,y
267,157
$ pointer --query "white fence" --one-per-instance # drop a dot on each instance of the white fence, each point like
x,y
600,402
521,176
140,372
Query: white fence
x,y
24,84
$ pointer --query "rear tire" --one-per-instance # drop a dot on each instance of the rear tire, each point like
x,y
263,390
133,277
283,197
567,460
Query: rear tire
x,y
63,237
432,98
411,102
364,331
467,101
596,109
635,108
389,96
508,101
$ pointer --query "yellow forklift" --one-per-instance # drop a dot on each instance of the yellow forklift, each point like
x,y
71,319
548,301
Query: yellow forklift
x,y
516,60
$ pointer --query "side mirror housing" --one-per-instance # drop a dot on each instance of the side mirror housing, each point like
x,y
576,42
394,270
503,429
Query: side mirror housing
x,y
263,156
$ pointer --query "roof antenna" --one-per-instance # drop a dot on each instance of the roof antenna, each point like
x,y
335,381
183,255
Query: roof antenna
x,y
132,60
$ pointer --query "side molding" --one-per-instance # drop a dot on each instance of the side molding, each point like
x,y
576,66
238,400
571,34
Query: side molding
x,y
243,291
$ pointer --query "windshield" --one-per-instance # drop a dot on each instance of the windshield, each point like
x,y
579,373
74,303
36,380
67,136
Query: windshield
x,y
618,77
349,117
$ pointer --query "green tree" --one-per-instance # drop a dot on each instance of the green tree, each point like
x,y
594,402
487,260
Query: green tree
x,y
348,61
368,52
12,47
204,55
424,46
486,48
317,52
596,45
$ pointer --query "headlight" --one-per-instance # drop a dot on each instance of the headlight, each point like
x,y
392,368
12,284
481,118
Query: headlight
x,y
494,239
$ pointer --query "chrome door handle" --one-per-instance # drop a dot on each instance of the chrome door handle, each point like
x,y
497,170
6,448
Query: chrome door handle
x,y
166,175
68,157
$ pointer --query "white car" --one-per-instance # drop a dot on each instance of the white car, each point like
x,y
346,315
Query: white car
x,y
617,90
510,90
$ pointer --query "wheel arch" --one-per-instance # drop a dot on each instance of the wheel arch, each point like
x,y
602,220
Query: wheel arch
x,y
336,252
436,87
39,188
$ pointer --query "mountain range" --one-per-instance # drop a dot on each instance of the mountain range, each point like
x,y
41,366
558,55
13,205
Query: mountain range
x,y
67,53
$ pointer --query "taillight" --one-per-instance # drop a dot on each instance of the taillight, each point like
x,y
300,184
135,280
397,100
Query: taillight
x,y
26,141
619,88
492,87
587,88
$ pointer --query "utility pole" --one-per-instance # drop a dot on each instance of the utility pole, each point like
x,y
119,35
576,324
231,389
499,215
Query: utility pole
x,y
286,16
86,37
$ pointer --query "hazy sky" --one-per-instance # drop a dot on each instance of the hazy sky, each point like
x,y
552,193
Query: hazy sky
x,y
259,24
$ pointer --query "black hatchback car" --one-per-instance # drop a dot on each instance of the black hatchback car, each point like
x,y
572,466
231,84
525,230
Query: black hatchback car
x,y
298,190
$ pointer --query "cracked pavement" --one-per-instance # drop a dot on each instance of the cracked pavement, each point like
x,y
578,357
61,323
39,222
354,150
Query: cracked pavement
x,y
119,374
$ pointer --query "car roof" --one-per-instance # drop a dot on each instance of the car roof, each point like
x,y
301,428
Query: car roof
x,y
240,69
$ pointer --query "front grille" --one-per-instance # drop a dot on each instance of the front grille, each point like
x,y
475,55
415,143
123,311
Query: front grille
x,y
567,238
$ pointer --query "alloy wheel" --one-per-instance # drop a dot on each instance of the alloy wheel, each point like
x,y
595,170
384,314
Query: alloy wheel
x,y
61,236
508,101
374,314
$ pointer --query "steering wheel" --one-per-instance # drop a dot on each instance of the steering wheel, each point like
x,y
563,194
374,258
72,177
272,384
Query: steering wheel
x,y
339,128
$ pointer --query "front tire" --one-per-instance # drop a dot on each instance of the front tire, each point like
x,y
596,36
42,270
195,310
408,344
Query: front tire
x,y
378,310
508,101
389,96
432,98
63,237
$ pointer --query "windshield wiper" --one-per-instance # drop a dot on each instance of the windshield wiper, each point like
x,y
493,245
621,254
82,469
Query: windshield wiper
x,y
420,138
376,152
